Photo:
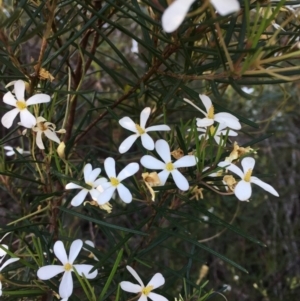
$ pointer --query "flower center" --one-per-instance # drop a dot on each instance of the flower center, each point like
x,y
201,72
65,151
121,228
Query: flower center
x,y
90,184
146,290
169,166
139,129
114,181
68,267
21,105
248,175
42,126
211,113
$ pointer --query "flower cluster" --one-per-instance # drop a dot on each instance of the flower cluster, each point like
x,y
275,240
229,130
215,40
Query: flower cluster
x,y
38,124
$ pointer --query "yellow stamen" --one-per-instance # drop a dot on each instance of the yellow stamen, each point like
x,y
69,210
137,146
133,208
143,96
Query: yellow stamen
x,y
21,105
212,130
68,267
146,290
114,181
211,113
169,166
139,129
248,175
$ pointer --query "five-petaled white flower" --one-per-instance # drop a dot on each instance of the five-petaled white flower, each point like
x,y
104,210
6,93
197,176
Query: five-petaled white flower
x,y
49,271
90,176
47,128
5,264
219,132
140,131
11,151
144,291
210,117
18,101
115,181
243,189
174,15
168,167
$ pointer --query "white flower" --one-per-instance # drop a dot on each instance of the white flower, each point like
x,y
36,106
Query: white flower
x,y
219,133
168,167
67,267
140,131
210,117
5,264
174,15
145,291
47,128
243,189
90,176
11,151
115,181
18,101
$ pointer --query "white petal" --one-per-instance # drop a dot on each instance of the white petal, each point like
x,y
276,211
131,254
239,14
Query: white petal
x,y
94,193
84,269
100,181
128,171
49,271
38,98
73,186
86,171
160,127
152,163
206,102
19,89
204,122
66,285
27,119
106,195
74,250
174,15
8,118
163,176
144,117
9,99
7,262
247,163
225,7
157,297
79,198
156,281
185,161
3,252
128,124
143,298
228,119
60,252
124,193
163,149
39,140
93,175
135,275
180,181
52,136
110,167
147,142
243,190
127,143
130,287
264,185
228,133
232,168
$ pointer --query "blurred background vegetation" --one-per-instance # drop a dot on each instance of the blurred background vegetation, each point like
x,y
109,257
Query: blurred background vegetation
x,y
110,59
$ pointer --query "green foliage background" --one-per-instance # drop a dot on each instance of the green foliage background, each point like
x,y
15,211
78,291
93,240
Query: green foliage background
x,y
86,46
